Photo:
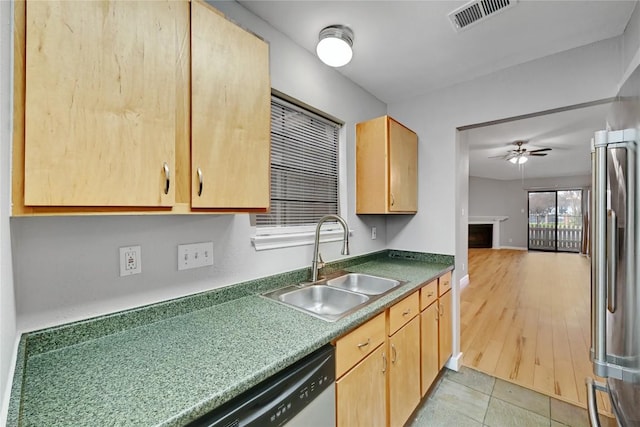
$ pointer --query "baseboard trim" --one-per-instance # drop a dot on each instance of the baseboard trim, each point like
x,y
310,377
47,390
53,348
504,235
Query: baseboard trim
x,y
517,248
455,362
464,282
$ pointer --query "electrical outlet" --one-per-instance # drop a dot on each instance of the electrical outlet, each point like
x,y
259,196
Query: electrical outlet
x,y
130,260
374,233
195,255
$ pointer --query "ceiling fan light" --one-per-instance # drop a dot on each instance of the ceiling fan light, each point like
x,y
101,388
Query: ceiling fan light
x,y
334,45
518,160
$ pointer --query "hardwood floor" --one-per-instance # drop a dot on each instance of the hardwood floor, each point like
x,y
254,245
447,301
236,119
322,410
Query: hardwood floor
x,y
525,318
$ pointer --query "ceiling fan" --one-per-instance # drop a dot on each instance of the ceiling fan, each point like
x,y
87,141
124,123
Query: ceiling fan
x,y
520,154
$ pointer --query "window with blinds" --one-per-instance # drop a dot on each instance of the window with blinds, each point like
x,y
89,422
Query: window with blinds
x,y
304,167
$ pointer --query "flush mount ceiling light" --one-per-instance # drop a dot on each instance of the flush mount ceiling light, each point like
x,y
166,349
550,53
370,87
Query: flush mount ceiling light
x,y
334,45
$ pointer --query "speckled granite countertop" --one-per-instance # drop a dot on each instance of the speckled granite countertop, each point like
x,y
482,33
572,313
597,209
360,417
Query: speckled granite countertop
x,y
169,363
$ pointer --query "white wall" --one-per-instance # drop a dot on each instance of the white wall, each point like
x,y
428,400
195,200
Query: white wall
x,y
567,78
67,268
563,79
493,197
630,57
7,303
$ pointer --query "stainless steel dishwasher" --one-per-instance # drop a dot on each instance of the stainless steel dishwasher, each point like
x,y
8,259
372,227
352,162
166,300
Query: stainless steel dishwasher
x,y
302,394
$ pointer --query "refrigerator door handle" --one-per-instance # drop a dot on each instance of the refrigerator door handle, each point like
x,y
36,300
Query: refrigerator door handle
x,y
612,259
592,404
599,255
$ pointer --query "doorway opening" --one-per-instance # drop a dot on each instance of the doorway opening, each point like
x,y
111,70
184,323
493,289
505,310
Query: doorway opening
x,y
555,220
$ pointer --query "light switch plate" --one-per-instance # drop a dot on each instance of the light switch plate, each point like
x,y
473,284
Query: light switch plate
x,y
130,260
195,255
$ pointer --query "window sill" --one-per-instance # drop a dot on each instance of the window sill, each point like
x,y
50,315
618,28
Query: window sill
x,y
277,238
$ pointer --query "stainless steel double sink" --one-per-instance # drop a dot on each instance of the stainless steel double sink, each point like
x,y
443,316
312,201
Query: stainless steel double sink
x,y
332,299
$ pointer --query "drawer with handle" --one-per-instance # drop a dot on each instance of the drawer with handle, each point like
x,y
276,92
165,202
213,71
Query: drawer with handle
x,y
403,311
354,346
444,283
428,294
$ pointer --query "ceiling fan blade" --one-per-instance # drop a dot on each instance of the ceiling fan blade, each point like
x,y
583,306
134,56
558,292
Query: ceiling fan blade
x,y
540,150
537,154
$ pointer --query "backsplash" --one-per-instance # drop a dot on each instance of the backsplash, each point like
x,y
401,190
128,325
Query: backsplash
x,y
72,333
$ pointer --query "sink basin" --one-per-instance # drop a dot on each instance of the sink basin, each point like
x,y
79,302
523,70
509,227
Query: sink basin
x,y
363,283
335,298
320,300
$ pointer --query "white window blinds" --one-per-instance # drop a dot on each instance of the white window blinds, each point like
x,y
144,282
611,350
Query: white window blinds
x,y
304,167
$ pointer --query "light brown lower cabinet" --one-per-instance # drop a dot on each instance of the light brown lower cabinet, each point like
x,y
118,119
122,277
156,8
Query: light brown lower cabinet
x,y
445,329
360,393
436,340
387,364
404,369
429,346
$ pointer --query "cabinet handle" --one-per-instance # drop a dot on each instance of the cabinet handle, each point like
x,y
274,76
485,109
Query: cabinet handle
x,y
394,354
384,363
406,312
364,344
430,294
446,284
167,177
393,200
199,182
441,310
437,315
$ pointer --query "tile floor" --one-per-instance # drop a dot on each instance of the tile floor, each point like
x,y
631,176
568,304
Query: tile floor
x,y
470,398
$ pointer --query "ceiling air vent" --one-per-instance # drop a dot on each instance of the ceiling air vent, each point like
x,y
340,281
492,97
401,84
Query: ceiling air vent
x,y
476,11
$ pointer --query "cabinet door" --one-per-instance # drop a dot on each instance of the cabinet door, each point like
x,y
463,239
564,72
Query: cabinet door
x,y
403,168
372,166
445,329
360,394
404,372
100,103
230,114
429,346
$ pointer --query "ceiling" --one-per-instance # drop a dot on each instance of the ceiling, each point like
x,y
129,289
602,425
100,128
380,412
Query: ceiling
x,y
404,49
567,133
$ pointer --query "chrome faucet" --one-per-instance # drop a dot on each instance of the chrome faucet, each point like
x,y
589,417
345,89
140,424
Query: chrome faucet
x,y
317,262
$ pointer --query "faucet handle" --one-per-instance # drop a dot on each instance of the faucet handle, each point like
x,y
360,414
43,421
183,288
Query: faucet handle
x,y
320,261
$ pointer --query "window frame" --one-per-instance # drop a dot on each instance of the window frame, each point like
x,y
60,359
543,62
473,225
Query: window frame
x,y
266,238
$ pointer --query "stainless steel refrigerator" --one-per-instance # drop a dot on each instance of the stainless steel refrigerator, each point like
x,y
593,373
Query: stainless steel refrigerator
x,y
615,279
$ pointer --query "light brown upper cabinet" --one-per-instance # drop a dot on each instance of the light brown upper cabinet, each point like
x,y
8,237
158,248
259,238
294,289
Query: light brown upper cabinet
x,y
138,107
230,114
99,103
386,167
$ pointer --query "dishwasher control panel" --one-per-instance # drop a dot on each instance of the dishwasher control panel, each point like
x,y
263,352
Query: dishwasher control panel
x,y
306,392
278,399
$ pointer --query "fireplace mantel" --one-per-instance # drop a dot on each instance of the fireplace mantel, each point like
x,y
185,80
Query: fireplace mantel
x,y
495,221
